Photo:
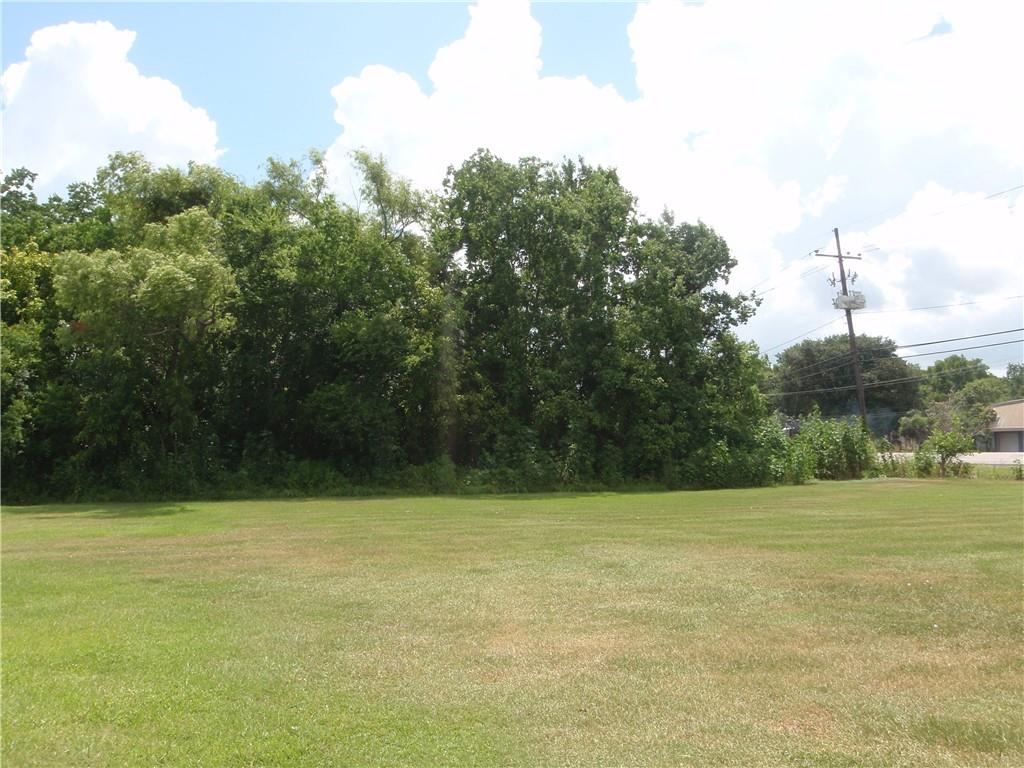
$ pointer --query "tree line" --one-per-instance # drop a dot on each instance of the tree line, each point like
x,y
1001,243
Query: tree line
x,y
178,331
175,331
906,402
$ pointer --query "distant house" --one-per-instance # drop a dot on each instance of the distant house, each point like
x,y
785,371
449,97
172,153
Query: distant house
x,y
1008,426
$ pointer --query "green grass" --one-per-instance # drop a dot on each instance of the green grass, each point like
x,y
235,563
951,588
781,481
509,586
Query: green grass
x,y
873,623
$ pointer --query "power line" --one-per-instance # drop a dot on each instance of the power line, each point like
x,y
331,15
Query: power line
x,y
958,338
889,212
1005,191
801,276
904,380
777,276
871,352
890,246
795,338
962,349
776,279
940,306
867,354
909,309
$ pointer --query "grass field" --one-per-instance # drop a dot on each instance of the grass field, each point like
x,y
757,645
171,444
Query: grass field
x,y
873,623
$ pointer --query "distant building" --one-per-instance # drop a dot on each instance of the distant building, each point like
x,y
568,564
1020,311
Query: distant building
x,y
1008,426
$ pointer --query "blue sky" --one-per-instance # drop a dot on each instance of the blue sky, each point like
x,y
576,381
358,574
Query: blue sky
x,y
772,122
265,70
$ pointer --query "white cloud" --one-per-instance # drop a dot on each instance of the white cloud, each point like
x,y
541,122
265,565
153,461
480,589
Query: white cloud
x,y
947,248
759,118
830,191
76,98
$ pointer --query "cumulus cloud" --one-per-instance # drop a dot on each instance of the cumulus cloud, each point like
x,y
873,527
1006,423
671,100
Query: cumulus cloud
x,y
960,250
76,98
761,119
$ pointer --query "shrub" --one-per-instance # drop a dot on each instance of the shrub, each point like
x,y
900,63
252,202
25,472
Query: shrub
x,y
312,477
841,449
924,462
889,464
946,446
782,459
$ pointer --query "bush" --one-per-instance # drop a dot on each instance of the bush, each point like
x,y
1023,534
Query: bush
x,y
312,478
841,449
764,457
437,476
783,459
924,462
946,446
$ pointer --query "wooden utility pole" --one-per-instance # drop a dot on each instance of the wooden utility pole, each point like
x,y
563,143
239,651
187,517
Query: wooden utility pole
x,y
854,357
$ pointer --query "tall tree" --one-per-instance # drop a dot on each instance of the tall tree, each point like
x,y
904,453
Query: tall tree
x,y
952,373
164,325
1015,380
819,372
334,349
142,318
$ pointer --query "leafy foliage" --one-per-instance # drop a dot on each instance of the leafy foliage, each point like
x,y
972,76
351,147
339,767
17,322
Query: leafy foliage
x,y
1015,381
821,370
946,446
953,373
841,449
168,331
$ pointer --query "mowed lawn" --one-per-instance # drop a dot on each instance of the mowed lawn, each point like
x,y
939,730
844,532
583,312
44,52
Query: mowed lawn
x,y
873,623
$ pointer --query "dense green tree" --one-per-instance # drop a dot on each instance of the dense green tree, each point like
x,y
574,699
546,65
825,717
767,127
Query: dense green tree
x,y
1015,380
953,373
24,219
335,348
915,427
23,288
691,389
984,392
947,445
165,329
138,338
819,373
967,411
540,248
588,333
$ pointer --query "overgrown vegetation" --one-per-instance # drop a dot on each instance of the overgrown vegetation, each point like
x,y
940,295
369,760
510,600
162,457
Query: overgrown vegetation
x,y
835,449
178,332
952,394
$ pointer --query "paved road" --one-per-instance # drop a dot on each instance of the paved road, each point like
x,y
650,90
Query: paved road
x,y
1003,458
991,458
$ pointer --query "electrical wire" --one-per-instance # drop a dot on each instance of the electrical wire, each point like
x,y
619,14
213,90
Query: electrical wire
x,y
958,338
963,349
863,353
873,384
801,276
778,275
888,213
806,333
938,306
872,248
897,346
846,362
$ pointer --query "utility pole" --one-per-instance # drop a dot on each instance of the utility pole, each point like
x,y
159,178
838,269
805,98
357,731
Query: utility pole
x,y
854,357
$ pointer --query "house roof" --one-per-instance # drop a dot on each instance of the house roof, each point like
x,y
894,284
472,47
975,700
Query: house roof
x,y
1009,416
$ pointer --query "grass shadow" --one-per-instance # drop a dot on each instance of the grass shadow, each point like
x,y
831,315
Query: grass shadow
x,y
115,511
